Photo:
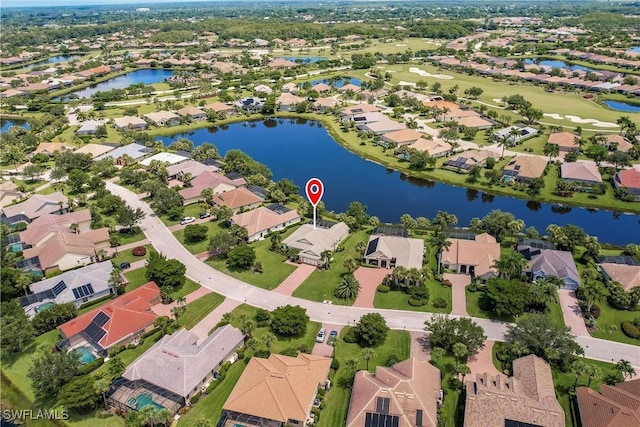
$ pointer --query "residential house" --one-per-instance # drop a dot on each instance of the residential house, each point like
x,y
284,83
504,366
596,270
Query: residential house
x,y
221,107
263,89
263,220
65,250
404,395
526,399
514,134
277,391
382,127
289,88
581,173
566,141
524,168
238,199
477,122
629,180
313,241
9,193
50,148
120,155
121,321
35,206
163,118
89,127
191,167
551,262
165,157
616,141
615,406
324,104
129,123
76,286
401,137
94,150
193,113
281,63
394,251
473,257
182,363
321,88
433,147
354,110
624,270
463,162
45,226
349,87
288,101
249,104
216,181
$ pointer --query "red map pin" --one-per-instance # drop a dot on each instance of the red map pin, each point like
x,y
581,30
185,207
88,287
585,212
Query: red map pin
x,y
314,190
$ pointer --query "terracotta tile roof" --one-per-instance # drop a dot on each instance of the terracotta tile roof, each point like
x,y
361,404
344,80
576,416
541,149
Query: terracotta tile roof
x,y
474,122
126,121
321,87
216,181
359,109
282,63
410,385
192,111
236,199
262,219
128,314
480,253
50,222
564,139
629,178
614,406
403,136
218,106
286,98
280,388
351,87
527,397
627,275
580,171
65,242
37,205
95,150
160,116
433,147
621,143
51,147
528,167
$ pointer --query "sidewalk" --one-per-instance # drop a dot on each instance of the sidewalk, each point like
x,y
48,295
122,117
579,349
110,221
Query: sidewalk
x,y
420,346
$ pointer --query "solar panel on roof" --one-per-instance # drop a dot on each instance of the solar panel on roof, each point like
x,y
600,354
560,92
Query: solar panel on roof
x,y
100,319
57,289
95,332
622,259
381,420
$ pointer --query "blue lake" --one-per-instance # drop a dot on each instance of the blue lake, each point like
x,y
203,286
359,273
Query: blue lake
x,y
5,125
300,149
305,59
146,76
339,83
635,49
623,106
557,64
57,59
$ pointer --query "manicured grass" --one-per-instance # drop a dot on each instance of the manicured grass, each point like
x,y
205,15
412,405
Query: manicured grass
x,y
193,210
608,324
274,269
184,290
198,247
128,356
336,400
126,255
477,307
307,340
398,300
126,238
321,284
198,309
210,406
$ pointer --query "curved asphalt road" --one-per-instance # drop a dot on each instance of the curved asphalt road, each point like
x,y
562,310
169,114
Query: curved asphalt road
x,y
162,239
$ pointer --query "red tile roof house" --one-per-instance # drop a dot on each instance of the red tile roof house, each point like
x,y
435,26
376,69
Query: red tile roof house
x,y
614,406
566,141
630,180
192,112
262,221
238,200
216,181
121,321
34,207
401,137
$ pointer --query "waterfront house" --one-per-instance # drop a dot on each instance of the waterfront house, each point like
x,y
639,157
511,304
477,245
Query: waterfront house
x,y
474,256
313,241
394,251
263,220
524,169
628,179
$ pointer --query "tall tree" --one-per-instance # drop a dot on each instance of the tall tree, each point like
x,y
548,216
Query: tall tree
x,y
445,332
367,354
510,265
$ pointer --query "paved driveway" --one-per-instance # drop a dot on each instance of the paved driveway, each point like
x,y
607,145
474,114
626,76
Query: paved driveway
x,y
165,309
482,362
458,284
202,328
420,346
324,349
235,289
295,279
571,312
369,279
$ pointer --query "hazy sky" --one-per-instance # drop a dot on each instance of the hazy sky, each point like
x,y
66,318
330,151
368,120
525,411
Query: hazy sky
x,y
33,3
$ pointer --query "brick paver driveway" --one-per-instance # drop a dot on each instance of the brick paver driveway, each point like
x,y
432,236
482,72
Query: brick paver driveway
x,y
458,284
324,349
571,312
294,280
369,279
482,362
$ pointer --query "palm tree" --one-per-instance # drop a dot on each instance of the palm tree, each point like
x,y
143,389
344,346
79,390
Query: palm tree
x,y
268,339
151,416
624,122
551,150
592,292
544,291
247,327
437,353
350,265
101,386
177,311
367,354
361,247
510,265
163,323
348,288
276,241
325,256
440,242
181,301
625,369
462,369
23,281
503,141
578,367
593,372
351,364
460,352
227,318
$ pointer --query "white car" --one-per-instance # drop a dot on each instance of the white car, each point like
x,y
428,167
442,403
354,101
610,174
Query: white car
x,y
187,220
321,335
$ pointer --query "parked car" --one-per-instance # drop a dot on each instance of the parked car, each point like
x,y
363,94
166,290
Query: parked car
x,y
321,335
205,215
124,265
333,334
187,220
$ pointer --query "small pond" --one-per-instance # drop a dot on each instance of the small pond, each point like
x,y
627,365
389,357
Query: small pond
x,y
623,106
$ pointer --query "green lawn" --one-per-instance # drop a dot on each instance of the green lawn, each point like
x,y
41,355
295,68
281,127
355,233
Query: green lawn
x,y
138,278
193,210
198,247
198,309
397,300
609,324
476,307
210,406
307,340
320,285
126,238
128,356
274,270
337,399
127,255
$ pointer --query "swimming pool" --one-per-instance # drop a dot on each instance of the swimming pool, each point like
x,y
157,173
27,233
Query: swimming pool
x,y
145,399
85,355
43,307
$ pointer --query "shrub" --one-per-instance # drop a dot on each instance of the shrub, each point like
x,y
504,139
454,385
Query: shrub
x,y
151,332
96,301
303,348
335,364
262,315
139,251
392,360
636,322
289,352
416,302
240,354
115,350
629,329
440,303
262,353
91,366
595,311
195,398
383,289
446,283
350,337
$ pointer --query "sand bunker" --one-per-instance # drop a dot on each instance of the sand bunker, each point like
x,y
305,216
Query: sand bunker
x,y
400,44
423,73
403,83
497,100
576,119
